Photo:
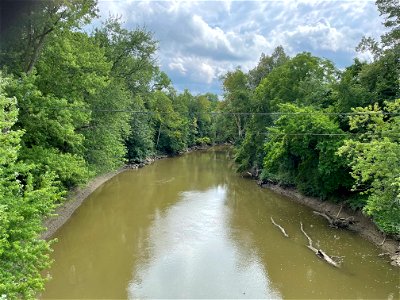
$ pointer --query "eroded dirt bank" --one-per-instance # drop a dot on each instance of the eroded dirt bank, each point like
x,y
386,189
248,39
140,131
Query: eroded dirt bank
x,y
74,200
76,197
363,225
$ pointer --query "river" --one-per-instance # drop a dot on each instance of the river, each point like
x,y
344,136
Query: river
x,y
190,227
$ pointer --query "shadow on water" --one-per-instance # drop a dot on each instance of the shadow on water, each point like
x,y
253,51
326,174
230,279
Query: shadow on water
x,y
189,227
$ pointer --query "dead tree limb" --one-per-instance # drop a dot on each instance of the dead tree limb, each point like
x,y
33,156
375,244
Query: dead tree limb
x,y
323,215
341,206
321,254
336,222
280,227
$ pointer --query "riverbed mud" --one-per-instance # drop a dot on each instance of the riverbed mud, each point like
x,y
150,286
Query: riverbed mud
x,y
363,225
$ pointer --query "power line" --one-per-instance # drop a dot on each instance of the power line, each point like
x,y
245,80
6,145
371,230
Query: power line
x,y
145,112
383,133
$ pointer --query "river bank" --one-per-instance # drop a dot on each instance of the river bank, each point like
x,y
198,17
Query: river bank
x,y
74,199
362,225
76,196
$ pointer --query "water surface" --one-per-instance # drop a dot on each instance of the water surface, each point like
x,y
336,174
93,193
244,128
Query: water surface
x,y
190,227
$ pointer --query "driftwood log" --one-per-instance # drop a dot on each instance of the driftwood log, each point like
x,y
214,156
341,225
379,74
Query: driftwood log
x,y
321,254
280,227
337,222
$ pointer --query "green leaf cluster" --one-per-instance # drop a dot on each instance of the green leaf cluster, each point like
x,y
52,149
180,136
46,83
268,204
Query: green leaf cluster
x,y
375,162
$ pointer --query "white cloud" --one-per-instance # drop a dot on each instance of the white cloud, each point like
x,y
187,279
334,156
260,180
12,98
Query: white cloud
x,y
320,35
199,41
177,66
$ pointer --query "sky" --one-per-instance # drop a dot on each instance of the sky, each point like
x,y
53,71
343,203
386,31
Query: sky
x,y
199,41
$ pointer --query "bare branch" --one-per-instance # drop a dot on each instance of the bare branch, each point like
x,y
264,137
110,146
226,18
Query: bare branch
x,y
321,254
280,227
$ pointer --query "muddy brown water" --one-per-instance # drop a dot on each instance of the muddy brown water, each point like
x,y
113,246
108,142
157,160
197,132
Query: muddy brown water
x,y
190,227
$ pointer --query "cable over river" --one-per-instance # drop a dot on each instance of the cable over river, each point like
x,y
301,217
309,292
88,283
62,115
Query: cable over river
x,y
190,227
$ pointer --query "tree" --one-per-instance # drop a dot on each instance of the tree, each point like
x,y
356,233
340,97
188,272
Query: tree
x,y
237,98
39,20
303,80
24,201
266,64
389,41
130,53
301,151
375,162
169,127
391,10
50,141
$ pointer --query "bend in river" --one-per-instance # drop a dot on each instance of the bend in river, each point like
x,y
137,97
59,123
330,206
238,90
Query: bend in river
x,y
190,227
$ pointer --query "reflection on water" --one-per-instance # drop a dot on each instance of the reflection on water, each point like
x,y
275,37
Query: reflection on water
x,y
191,240
189,227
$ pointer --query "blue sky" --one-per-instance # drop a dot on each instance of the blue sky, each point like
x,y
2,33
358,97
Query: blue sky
x,y
201,40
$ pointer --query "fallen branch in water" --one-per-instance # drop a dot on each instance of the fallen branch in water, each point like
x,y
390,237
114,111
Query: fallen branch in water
x,y
280,227
337,222
321,254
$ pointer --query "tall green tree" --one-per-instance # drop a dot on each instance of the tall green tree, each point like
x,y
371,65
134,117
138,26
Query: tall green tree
x,y
303,80
237,98
24,201
375,162
266,64
301,151
50,141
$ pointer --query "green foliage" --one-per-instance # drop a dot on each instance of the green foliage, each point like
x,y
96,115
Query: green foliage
x,y
22,44
375,162
300,151
203,141
266,64
24,200
130,53
363,84
391,10
50,134
70,169
106,132
303,80
140,142
237,99
169,127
